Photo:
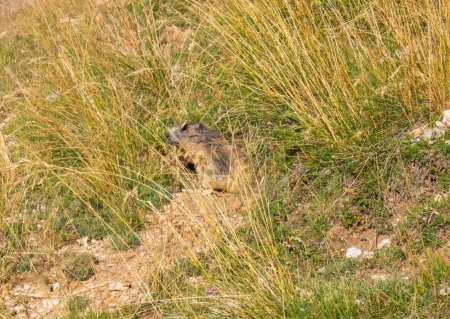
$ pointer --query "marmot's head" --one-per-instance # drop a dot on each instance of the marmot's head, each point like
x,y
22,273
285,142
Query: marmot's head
x,y
192,133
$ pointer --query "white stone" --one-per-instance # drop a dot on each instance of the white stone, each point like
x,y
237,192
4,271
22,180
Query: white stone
x,y
384,243
117,286
444,291
428,133
380,277
353,252
50,303
83,241
440,125
447,115
52,96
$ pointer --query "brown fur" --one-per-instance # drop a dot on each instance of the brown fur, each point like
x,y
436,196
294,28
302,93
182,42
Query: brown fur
x,y
217,163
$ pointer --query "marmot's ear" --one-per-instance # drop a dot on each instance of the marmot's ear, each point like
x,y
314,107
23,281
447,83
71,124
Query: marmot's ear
x,y
201,126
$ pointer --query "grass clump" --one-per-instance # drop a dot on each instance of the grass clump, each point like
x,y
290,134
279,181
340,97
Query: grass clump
x,y
79,266
341,68
76,305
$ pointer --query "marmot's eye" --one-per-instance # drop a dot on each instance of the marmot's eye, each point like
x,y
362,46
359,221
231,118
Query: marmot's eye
x,y
184,126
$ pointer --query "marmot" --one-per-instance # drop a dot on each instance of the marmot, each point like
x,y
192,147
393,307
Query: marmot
x,y
218,164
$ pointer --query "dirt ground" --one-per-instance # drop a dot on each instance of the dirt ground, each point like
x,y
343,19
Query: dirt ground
x,y
123,277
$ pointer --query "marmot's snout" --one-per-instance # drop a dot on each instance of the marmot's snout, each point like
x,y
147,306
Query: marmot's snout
x,y
186,131
172,135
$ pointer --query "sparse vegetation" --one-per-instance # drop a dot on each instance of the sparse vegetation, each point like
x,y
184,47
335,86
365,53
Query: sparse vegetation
x,y
323,95
79,266
76,305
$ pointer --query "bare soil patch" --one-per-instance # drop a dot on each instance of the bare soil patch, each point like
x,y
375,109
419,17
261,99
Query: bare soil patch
x,y
185,226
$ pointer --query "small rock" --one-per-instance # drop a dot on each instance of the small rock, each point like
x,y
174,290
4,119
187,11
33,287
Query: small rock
x,y
447,142
117,286
19,308
380,277
384,243
447,115
49,303
444,291
427,134
353,252
440,125
52,96
84,241
54,286
26,287
3,34
198,249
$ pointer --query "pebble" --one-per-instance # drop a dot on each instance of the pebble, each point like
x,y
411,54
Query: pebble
x,y
55,286
117,286
353,252
384,243
19,308
380,277
84,241
440,125
52,96
428,133
447,115
48,304
444,291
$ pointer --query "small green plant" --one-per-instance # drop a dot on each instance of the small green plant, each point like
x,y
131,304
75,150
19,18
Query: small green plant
x,y
76,305
79,266
125,239
350,219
